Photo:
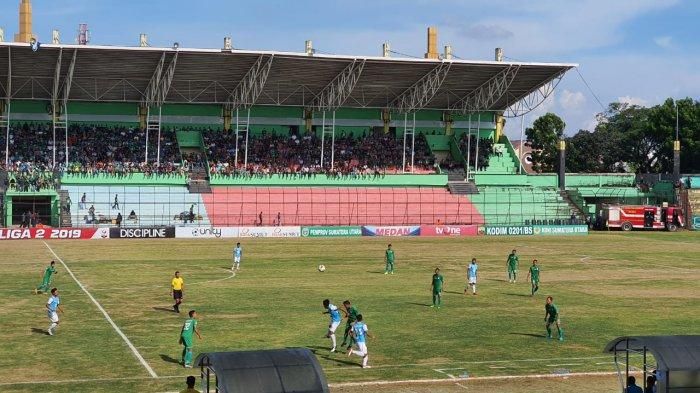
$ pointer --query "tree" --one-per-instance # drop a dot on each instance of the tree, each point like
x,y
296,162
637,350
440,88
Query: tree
x,y
543,137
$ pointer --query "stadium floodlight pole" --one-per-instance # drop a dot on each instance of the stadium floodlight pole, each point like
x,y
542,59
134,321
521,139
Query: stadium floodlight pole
x,y
677,149
333,143
323,135
520,147
54,107
405,128
247,132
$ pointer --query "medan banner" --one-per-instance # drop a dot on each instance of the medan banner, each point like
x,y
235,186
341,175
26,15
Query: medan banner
x,y
448,230
142,233
390,230
206,232
555,230
507,231
269,232
331,231
54,233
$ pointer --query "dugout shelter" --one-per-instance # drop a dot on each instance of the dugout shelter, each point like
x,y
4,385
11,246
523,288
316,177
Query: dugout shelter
x,y
675,363
263,371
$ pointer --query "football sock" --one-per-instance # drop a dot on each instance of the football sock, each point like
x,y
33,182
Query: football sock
x,y
188,355
549,332
473,288
333,340
364,360
536,288
53,326
561,334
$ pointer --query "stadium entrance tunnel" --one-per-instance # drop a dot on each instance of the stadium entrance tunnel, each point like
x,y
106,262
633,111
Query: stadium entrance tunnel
x,y
676,368
265,371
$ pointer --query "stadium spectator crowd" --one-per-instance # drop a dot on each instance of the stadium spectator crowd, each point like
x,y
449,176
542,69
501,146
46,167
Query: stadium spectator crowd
x,y
26,176
469,150
300,155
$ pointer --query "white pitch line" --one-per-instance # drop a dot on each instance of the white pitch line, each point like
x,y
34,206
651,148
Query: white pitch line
x,y
87,380
107,317
443,380
467,362
564,364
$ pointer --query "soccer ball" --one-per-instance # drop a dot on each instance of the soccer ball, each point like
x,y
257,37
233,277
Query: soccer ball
x,y
321,268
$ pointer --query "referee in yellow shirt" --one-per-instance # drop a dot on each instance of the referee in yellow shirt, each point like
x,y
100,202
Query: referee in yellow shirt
x,y
178,285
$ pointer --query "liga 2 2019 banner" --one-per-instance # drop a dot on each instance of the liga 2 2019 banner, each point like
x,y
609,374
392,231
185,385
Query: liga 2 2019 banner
x,y
54,233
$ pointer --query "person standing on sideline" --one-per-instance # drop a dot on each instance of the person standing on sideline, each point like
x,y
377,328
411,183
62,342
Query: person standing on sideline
x,y
389,260
436,287
351,314
190,381
68,204
533,275
471,276
189,329
46,280
53,306
360,333
551,316
115,205
334,313
178,286
237,255
83,200
512,265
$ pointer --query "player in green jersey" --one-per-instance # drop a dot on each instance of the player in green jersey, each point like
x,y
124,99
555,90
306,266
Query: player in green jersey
x,y
551,316
533,275
389,259
512,265
46,280
350,313
189,328
436,287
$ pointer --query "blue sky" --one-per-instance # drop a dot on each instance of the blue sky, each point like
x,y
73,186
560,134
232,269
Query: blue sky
x,y
637,51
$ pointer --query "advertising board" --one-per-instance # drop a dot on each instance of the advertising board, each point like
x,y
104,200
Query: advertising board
x,y
370,230
448,230
53,233
340,231
142,233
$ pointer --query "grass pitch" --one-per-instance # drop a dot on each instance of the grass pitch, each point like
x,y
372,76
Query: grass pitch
x,y
606,285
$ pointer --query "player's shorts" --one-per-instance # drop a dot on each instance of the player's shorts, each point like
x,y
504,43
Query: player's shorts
x,y
236,259
177,294
53,316
553,320
333,326
362,347
186,341
472,280
535,282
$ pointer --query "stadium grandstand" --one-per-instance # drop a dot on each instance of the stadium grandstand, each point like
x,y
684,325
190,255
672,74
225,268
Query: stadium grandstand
x,y
144,136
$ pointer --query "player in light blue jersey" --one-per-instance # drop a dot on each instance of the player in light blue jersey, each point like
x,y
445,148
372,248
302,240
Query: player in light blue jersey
x,y
360,333
52,308
471,276
334,313
237,254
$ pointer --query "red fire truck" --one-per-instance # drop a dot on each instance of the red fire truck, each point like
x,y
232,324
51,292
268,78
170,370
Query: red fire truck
x,y
628,217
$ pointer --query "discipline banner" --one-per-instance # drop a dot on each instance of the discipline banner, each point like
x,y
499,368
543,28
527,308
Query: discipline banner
x,y
518,230
557,230
141,233
54,233
269,232
331,231
390,230
206,232
448,230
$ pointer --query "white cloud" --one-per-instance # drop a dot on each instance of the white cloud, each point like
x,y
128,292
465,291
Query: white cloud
x,y
665,41
572,100
633,100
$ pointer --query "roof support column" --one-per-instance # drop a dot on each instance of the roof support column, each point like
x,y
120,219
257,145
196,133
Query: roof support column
x,y
5,112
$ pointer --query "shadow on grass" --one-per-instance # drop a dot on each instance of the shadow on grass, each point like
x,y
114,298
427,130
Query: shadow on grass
x,y
375,272
528,335
168,359
40,331
164,309
517,294
496,280
341,360
419,304
455,292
